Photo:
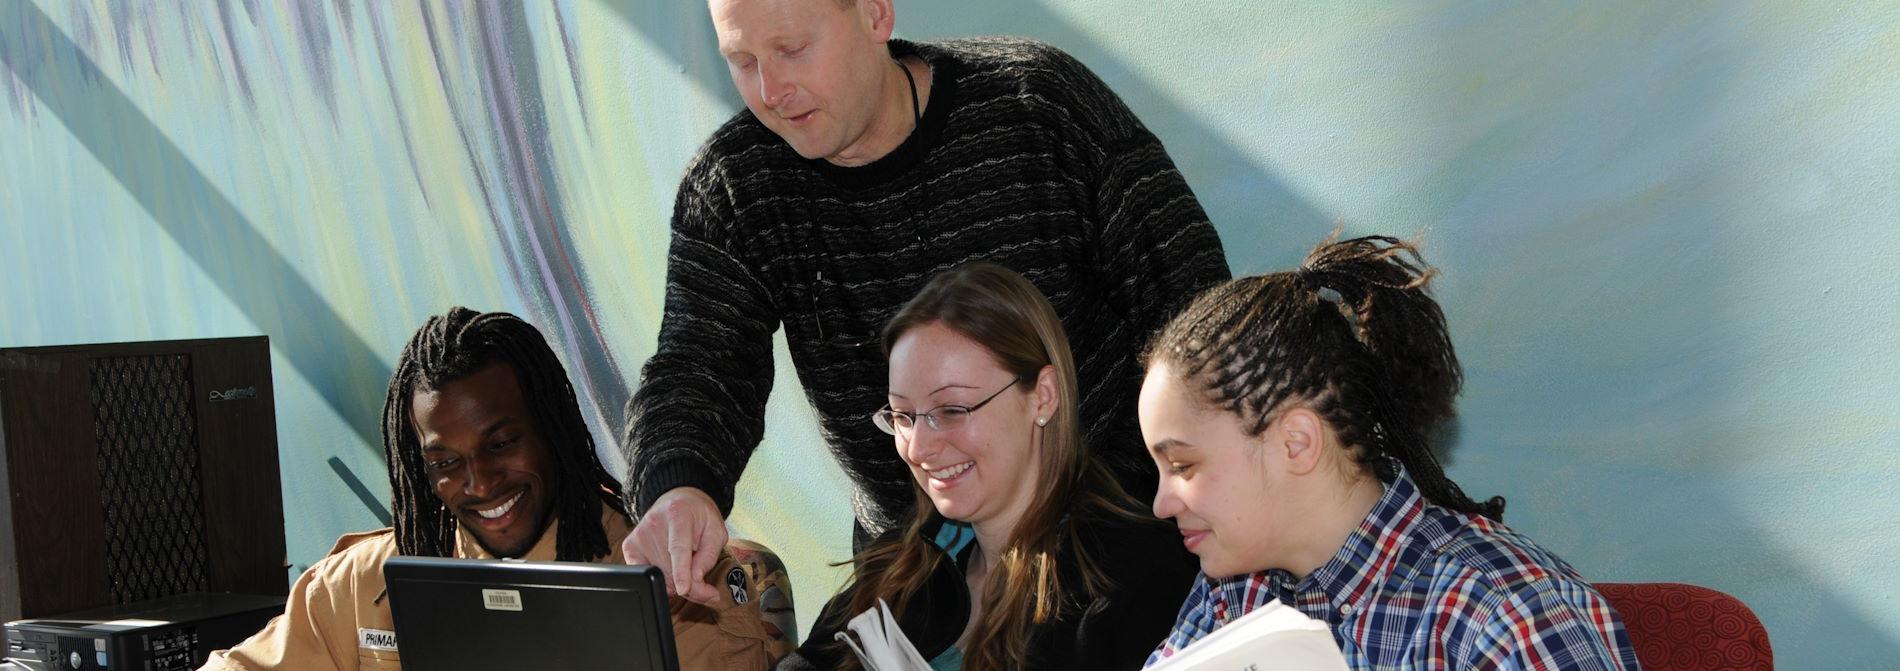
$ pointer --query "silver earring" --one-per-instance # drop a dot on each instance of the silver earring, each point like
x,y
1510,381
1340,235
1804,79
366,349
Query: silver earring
x,y
1042,421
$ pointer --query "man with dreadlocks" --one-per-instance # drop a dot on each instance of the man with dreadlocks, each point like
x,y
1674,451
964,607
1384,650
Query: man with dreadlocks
x,y
1291,417
489,458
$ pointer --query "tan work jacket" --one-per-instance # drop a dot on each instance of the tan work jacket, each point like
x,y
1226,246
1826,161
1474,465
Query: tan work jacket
x,y
337,616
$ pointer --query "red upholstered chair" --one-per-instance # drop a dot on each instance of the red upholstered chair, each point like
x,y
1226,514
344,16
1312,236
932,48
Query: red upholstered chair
x,y
1677,626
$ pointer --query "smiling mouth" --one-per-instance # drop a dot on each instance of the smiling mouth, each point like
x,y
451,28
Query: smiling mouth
x,y
951,471
497,512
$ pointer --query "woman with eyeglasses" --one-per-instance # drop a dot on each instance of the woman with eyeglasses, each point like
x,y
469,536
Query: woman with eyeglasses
x,y
1022,551
1291,416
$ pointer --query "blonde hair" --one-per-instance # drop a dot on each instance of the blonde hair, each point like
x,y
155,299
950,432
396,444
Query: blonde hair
x,y
1007,315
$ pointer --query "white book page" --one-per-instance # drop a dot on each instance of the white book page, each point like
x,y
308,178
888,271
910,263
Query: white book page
x,y
881,644
1273,636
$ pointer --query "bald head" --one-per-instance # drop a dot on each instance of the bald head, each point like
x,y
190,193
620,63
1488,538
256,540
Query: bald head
x,y
816,72
841,4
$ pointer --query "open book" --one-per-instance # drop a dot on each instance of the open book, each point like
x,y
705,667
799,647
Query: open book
x,y
1273,636
880,645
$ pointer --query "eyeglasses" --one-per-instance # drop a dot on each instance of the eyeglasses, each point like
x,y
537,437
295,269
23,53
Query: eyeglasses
x,y
943,418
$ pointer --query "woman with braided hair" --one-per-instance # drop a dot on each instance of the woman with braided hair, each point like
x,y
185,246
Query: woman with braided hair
x,y
1292,417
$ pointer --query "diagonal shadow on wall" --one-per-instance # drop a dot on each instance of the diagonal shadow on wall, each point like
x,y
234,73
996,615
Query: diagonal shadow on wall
x,y
197,216
1594,182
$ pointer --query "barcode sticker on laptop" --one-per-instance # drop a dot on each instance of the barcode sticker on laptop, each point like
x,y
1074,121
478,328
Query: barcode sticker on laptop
x,y
501,599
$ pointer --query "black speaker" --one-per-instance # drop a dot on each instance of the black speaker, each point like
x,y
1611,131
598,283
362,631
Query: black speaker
x,y
134,471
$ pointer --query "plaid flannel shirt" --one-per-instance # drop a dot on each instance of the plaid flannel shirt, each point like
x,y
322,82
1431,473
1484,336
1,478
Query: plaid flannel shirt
x,y
1418,586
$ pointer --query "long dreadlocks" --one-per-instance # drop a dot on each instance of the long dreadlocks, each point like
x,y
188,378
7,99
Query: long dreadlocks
x,y
454,345
1353,335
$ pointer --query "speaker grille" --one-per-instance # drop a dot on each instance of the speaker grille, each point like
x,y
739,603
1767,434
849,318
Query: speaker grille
x,y
148,464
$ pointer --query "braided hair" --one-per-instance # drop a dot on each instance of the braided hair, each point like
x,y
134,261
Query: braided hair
x,y
452,346
1352,336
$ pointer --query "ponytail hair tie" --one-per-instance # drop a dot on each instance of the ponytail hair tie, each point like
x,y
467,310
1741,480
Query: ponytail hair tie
x,y
1315,281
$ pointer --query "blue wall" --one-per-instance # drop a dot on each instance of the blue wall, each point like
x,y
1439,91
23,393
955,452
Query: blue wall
x,y
1666,232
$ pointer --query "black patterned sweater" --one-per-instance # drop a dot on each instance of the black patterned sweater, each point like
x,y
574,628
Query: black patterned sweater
x,y
1023,158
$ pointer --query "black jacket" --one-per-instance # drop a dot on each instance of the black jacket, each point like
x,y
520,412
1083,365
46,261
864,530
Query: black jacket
x,y
1149,570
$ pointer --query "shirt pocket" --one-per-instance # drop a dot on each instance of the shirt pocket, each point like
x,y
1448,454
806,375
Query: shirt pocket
x,y
378,660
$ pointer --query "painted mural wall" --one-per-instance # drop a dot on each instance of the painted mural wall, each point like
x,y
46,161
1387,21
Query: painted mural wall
x,y
1666,231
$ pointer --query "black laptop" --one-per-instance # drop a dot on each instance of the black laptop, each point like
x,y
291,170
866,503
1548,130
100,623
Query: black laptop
x,y
468,614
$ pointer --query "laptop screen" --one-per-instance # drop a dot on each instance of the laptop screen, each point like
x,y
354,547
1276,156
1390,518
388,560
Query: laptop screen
x,y
467,614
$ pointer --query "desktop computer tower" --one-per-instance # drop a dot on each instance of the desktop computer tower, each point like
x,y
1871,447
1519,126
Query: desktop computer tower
x,y
136,471
174,633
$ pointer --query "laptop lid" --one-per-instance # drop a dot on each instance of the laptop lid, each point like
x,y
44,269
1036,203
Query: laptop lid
x,y
470,614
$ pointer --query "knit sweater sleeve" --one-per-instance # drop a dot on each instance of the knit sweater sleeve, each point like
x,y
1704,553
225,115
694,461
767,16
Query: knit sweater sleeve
x,y
1154,234
1154,242
700,408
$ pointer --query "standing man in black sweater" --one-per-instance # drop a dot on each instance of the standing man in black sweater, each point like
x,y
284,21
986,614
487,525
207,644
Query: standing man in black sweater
x,y
862,166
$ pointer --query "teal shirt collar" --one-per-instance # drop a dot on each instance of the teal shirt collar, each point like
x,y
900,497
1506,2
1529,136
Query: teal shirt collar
x,y
956,539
